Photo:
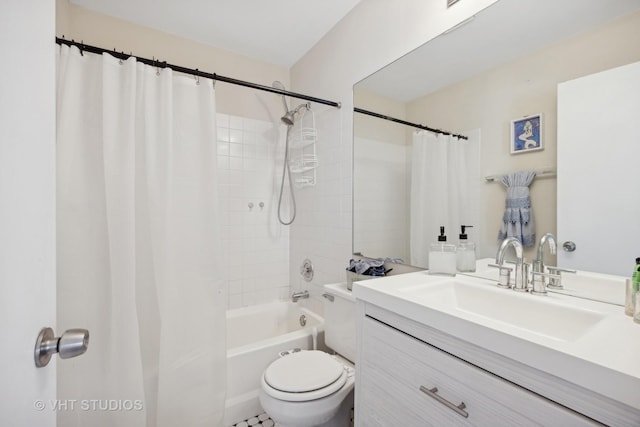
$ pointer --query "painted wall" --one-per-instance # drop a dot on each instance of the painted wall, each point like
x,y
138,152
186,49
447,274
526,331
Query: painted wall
x,y
374,128
372,35
97,29
27,209
527,86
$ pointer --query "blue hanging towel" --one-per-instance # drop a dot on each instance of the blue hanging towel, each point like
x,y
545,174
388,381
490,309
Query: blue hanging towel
x,y
517,220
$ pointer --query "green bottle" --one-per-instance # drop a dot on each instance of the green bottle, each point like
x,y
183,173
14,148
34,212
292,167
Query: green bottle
x,y
636,276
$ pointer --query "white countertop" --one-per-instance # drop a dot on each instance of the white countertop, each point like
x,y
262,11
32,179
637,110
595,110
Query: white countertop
x,y
605,359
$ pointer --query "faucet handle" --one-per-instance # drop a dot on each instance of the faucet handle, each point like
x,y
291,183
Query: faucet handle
x,y
556,283
560,269
539,285
501,267
505,275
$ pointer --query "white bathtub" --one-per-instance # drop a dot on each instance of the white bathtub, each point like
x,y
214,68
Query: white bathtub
x,y
255,336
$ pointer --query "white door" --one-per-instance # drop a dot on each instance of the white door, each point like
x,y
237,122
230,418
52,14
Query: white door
x,y
598,174
27,209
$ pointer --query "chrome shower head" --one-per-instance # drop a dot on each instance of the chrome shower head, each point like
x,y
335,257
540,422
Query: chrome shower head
x,y
288,118
289,115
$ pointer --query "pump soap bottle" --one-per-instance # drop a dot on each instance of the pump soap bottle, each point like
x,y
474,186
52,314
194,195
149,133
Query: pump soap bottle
x,y
466,253
442,256
635,291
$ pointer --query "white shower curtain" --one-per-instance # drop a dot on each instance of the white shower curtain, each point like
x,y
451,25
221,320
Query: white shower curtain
x,y
138,245
444,189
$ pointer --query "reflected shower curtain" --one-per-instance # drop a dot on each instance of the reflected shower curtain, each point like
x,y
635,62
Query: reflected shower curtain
x,y
138,245
444,189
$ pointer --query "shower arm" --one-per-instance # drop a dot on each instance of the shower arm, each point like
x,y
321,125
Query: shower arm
x,y
295,111
306,105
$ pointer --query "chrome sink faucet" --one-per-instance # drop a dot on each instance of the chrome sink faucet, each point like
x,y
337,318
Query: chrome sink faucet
x,y
539,276
548,238
521,267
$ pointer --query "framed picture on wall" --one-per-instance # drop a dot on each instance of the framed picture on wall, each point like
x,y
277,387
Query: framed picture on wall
x,y
526,134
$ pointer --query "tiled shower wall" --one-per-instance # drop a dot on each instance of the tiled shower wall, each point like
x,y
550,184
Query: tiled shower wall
x,y
322,231
255,245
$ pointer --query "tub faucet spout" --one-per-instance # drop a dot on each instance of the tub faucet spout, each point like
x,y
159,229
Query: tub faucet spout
x,y
297,295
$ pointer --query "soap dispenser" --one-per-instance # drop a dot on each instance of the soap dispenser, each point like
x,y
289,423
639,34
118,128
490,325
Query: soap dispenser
x,y
466,252
442,256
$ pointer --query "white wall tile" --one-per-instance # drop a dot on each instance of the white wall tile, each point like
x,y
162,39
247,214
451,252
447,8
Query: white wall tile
x,y
222,133
235,135
223,161
235,149
235,163
222,121
256,246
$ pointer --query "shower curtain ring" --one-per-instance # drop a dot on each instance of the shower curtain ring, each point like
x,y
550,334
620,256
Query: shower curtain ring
x,y
197,77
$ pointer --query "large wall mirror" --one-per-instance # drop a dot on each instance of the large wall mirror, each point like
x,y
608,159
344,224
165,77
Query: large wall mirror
x,y
477,79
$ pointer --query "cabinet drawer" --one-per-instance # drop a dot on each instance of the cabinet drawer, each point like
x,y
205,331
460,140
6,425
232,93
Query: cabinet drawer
x,y
394,366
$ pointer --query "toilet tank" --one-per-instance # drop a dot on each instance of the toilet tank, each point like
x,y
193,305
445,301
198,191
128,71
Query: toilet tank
x,y
340,320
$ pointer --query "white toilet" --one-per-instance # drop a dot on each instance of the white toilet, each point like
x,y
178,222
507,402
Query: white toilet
x,y
313,388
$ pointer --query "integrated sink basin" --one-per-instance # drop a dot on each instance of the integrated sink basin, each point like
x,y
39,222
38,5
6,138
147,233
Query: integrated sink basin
x,y
487,303
591,344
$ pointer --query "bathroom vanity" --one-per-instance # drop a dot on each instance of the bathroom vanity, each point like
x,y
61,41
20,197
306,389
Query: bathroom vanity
x,y
436,350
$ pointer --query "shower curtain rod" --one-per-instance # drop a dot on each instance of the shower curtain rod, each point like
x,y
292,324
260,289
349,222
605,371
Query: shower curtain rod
x,y
194,72
403,122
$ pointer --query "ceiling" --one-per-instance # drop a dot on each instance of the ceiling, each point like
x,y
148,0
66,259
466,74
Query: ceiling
x,y
275,31
503,32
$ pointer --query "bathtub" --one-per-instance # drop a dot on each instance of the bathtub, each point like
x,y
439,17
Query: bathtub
x,y
255,336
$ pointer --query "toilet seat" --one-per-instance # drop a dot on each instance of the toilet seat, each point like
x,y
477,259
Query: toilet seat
x,y
304,376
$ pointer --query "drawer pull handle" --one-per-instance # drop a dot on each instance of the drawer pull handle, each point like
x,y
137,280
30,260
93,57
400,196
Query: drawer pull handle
x,y
433,392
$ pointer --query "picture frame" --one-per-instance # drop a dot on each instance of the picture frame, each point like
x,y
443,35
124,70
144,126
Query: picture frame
x,y
526,134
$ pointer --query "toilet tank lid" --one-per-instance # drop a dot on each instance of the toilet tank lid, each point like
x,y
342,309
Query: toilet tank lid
x,y
339,290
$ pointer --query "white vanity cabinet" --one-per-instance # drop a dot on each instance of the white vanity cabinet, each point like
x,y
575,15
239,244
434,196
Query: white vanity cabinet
x,y
398,374
400,361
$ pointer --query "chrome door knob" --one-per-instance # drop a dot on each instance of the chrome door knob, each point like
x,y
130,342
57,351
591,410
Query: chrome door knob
x,y
72,343
569,246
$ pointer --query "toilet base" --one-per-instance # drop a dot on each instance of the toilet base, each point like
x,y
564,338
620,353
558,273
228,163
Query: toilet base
x,y
342,418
